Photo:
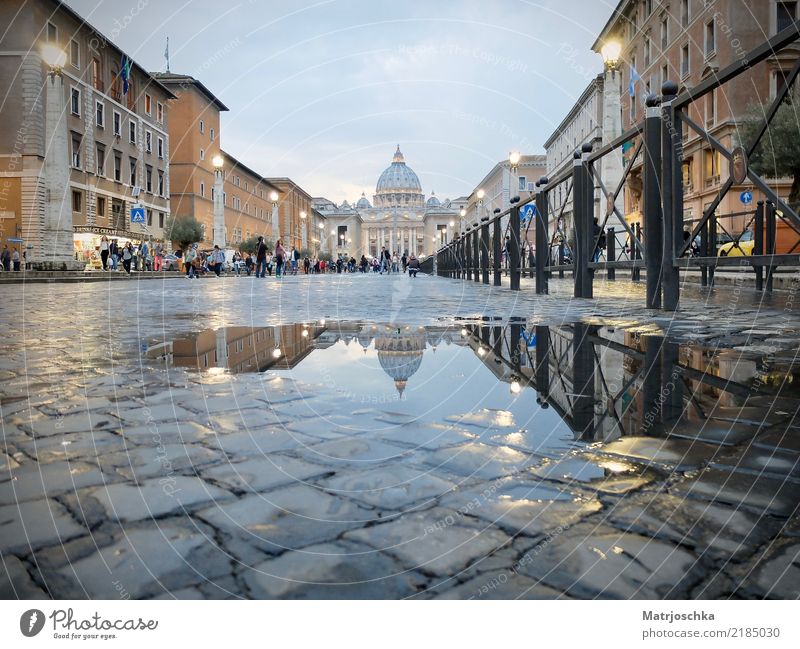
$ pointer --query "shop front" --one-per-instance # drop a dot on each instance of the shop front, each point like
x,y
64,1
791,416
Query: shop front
x,y
87,242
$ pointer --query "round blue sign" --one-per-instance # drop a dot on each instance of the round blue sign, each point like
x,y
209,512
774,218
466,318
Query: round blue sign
x,y
746,197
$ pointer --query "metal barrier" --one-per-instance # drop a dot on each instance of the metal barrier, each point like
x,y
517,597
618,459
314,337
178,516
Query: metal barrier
x,y
657,243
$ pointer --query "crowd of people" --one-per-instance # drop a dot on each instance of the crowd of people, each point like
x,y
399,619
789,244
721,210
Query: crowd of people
x,y
9,259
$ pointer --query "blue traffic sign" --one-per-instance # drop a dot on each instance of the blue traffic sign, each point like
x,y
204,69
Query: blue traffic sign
x,y
137,215
527,211
746,197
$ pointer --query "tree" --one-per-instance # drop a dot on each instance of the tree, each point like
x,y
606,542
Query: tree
x,y
184,230
778,153
251,245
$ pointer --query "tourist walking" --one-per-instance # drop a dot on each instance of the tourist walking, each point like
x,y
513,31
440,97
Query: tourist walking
x,y
217,259
127,257
280,258
413,266
158,258
15,260
395,263
261,258
113,253
295,258
188,262
5,258
104,251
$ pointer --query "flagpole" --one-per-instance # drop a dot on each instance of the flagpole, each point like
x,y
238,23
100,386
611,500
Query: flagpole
x,y
166,53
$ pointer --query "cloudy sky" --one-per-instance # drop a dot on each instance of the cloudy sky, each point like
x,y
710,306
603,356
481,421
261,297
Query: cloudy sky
x,y
323,91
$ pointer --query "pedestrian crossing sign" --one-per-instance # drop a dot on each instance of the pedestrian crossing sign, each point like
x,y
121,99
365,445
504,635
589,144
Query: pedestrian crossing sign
x,y
527,211
137,215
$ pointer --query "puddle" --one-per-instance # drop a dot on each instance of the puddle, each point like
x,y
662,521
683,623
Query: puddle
x,y
536,388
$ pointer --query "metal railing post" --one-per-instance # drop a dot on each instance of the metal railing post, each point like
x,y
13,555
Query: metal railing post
x,y
671,196
468,253
653,217
771,240
542,246
476,259
611,253
485,249
758,243
636,254
712,245
582,212
513,248
497,251
704,254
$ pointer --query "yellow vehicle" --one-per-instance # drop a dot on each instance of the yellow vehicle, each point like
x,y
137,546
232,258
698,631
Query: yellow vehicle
x,y
743,248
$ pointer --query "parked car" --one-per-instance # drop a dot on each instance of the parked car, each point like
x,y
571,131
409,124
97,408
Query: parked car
x,y
741,249
170,262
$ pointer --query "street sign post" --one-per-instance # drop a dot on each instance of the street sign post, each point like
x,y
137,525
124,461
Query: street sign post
x,y
137,215
746,197
527,211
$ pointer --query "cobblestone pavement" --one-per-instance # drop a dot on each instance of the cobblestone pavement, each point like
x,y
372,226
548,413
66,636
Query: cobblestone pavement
x,y
123,477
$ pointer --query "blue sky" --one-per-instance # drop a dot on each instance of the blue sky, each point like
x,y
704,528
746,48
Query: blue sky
x,y
322,91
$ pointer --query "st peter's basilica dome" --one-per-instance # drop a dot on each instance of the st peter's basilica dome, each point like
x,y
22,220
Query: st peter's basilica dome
x,y
398,186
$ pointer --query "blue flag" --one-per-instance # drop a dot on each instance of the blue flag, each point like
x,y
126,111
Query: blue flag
x,y
125,73
632,84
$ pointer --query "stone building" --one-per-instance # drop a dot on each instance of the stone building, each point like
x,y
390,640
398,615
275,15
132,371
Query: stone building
x,y
399,218
78,148
195,131
688,41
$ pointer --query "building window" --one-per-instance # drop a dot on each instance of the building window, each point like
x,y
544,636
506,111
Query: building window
x,y
118,166
522,183
101,160
212,134
117,124
148,141
161,147
97,76
131,96
786,15
664,73
646,51
100,114
76,201
203,190
202,126
76,150
52,33
711,108
148,104
202,154
688,184
664,33
75,101
713,162
101,206
160,112
132,165
161,220
160,182
711,39
212,193
148,178
132,132
684,13
685,61
74,54
150,218
236,181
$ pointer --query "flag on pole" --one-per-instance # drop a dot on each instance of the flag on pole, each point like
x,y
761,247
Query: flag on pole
x,y
166,53
125,73
632,84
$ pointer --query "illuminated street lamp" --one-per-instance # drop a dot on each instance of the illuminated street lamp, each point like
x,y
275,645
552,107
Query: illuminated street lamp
x,y
219,206
276,226
303,229
610,52
513,159
57,232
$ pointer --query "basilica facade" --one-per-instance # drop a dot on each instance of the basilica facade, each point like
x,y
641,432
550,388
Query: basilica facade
x,y
399,217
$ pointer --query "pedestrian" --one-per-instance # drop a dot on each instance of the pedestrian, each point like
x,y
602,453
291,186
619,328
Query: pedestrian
x,y
15,260
294,258
104,251
306,265
188,261
597,235
217,259
127,257
145,254
113,251
261,258
413,266
5,258
404,260
395,263
158,259
280,258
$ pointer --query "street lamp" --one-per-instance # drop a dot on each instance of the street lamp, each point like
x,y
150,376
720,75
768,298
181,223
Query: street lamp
x,y
276,227
219,206
610,52
480,195
303,229
513,159
57,234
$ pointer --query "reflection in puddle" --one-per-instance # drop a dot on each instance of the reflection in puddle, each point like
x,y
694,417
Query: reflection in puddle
x,y
592,383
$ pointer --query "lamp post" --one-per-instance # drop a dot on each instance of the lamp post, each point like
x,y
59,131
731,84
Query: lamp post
x,y
303,229
276,226
57,235
514,158
462,215
611,165
219,205
322,236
